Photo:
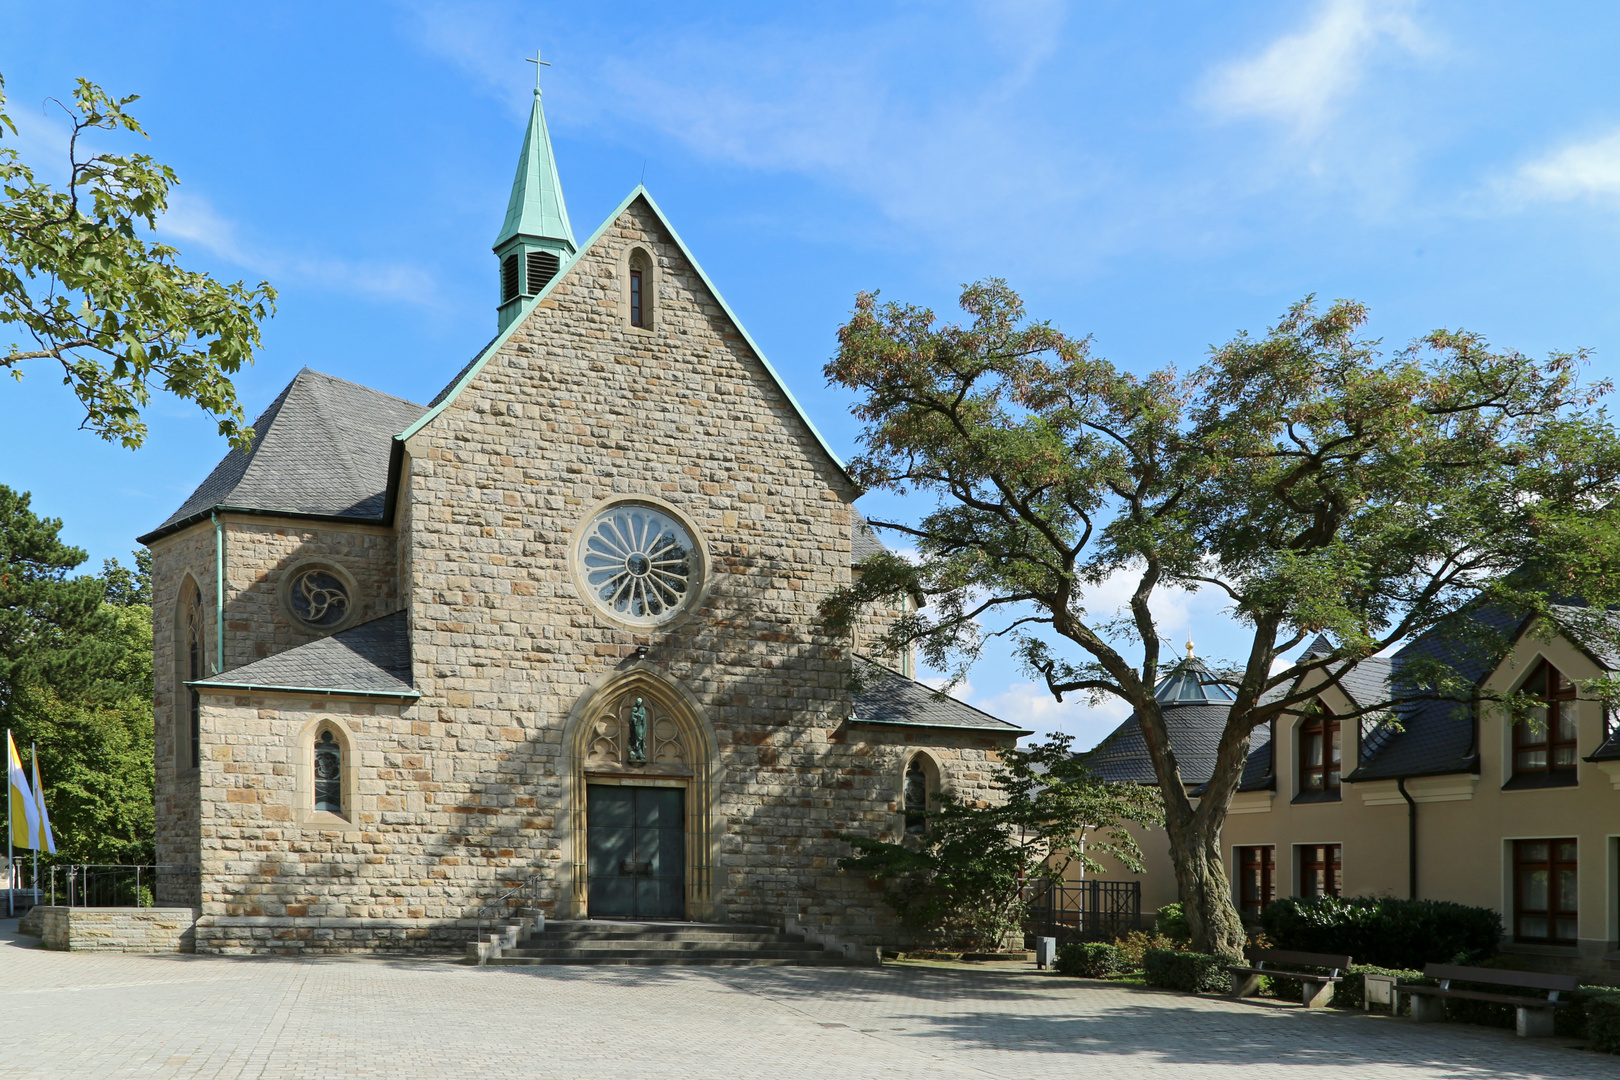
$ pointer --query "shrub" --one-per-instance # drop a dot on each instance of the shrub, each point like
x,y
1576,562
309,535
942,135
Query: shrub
x,y
1134,945
1189,972
1603,1022
1171,922
1383,930
1088,960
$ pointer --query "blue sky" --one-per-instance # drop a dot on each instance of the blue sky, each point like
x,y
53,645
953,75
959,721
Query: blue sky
x,y
1159,176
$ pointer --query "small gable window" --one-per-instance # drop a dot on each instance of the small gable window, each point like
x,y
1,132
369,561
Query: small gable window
x,y
1544,734
328,774
639,290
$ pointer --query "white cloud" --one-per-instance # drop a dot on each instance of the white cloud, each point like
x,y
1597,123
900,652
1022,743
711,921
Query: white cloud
x,y
192,219
961,691
1300,79
1032,706
1578,170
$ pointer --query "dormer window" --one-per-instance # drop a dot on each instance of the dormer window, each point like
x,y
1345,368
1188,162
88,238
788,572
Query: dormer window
x,y
1544,734
1319,755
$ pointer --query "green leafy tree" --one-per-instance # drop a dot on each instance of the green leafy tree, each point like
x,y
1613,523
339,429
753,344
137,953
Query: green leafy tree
x,y
76,684
116,310
964,882
52,625
1316,484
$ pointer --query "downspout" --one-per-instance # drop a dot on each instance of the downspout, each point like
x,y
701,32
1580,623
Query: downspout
x,y
219,593
1411,838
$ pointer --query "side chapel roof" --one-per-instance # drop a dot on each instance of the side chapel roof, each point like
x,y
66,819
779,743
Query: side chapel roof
x,y
321,448
889,699
372,659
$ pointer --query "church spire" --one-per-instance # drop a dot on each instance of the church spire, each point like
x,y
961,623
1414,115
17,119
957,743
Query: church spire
x,y
535,238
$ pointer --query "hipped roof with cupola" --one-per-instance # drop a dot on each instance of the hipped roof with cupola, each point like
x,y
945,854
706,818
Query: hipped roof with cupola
x,y
331,449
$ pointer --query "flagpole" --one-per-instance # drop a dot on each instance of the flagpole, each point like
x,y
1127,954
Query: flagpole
x,y
39,797
11,894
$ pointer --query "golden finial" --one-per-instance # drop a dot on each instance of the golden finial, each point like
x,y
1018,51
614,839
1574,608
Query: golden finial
x,y
1189,647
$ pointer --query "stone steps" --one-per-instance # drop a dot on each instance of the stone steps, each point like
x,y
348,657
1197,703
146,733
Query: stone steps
x,y
604,942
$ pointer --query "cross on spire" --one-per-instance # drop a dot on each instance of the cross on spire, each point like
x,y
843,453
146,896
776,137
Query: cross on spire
x,y
538,64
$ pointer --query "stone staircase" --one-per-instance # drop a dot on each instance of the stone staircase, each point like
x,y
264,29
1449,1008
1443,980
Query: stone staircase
x,y
644,944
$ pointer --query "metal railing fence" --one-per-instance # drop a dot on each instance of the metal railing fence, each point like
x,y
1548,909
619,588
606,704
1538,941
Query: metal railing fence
x,y
523,896
117,885
1089,910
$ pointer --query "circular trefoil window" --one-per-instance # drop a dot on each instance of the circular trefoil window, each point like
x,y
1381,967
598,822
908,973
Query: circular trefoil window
x,y
639,563
319,598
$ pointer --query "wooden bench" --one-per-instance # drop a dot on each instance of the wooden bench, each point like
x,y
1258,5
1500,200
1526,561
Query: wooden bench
x,y
1316,990
1534,1016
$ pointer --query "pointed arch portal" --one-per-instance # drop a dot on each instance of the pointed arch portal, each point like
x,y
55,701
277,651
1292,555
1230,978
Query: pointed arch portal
x,y
640,800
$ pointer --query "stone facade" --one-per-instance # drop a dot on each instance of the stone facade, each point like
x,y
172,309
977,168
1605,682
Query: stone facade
x,y
480,783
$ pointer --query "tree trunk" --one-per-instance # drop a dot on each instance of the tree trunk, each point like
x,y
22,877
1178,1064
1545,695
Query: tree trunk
x,y
1206,893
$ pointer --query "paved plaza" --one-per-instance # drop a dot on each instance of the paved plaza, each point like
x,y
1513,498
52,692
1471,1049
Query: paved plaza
x,y
89,1016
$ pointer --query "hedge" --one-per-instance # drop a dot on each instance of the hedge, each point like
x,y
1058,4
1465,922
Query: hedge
x,y
1189,972
1089,960
1602,1021
1383,930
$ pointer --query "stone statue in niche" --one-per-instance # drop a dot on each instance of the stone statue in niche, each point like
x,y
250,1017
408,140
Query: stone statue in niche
x,y
638,733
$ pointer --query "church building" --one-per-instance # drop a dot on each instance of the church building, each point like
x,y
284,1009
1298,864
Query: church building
x,y
557,628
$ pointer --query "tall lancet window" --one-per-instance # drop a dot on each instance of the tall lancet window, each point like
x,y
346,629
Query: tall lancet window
x,y
328,774
194,671
916,798
635,298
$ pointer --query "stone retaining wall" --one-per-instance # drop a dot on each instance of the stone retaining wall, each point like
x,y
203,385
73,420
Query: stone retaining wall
x,y
98,929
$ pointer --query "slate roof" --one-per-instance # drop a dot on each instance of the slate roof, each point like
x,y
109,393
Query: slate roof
x,y
863,539
322,447
373,658
1194,728
889,699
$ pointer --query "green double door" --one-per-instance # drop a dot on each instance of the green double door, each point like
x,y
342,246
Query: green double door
x,y
636,851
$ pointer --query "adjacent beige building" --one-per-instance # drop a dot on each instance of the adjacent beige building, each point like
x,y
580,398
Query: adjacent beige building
x,y
1442,801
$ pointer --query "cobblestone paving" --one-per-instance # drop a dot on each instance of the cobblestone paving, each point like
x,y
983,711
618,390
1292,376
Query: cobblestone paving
x,y
88,1016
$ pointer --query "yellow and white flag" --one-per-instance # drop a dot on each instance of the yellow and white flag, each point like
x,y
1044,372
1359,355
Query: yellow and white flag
x,y
47,839
20,803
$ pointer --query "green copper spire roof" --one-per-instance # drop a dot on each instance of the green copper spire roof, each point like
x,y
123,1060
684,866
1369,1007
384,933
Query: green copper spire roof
x,y
536,208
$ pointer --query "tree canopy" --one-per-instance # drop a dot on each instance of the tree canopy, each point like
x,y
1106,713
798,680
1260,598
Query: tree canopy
x,y
86,286
1318,484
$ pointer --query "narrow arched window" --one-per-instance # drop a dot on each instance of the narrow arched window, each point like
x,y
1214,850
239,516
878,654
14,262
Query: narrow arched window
x,y
328,774
639,296
916,798
635,298
194,671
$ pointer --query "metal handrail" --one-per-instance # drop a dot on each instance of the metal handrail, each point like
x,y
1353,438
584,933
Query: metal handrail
x,y
531,884
80,880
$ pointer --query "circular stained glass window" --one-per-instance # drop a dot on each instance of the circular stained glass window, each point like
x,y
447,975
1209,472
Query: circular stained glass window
x,y
319,598
639,563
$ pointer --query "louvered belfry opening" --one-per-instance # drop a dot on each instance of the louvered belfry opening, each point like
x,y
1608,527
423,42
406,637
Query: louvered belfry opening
x,y
543,266
509,278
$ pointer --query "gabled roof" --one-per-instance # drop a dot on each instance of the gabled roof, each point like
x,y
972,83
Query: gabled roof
x,y
889,699
369,660
321,449
470,372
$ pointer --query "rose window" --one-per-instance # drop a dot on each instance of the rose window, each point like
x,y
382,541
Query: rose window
x,y
318,598
638,563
